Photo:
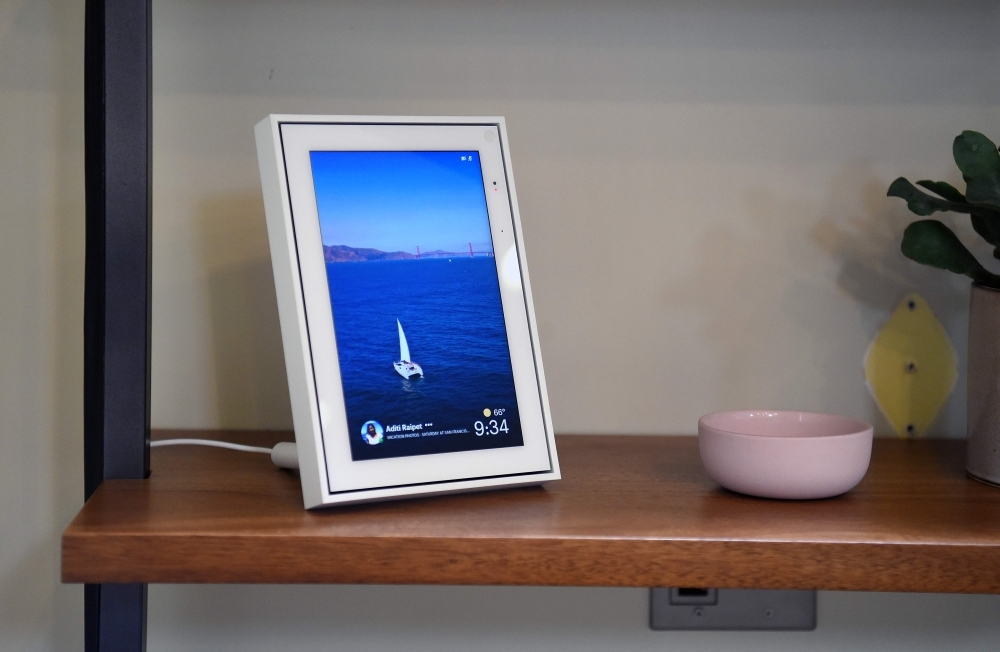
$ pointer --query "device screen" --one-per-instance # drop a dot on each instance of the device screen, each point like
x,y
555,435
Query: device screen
x,y
420,331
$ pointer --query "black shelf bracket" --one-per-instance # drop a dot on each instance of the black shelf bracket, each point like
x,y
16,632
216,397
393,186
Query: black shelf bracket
x,y
117,317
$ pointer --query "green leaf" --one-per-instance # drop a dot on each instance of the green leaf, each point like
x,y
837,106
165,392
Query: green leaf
x,y
989,229
976,155
929,242
920,202
978,159
984,191
943,189
923,204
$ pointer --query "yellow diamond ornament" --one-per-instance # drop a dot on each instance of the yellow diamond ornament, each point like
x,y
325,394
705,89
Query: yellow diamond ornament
x,y
911,367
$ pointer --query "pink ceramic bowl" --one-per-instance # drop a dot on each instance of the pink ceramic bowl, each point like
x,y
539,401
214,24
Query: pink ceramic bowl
x,y
794,455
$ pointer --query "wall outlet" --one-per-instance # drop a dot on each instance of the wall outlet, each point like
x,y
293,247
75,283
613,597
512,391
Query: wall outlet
x,y
713,609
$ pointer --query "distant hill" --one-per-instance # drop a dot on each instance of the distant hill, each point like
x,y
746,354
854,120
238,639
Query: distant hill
x,y
438,253
342,254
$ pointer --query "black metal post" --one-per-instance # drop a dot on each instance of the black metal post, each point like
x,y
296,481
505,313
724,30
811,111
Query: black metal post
x,y
115,617
117,318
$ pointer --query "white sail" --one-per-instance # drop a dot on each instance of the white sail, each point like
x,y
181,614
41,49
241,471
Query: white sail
x,y
404,349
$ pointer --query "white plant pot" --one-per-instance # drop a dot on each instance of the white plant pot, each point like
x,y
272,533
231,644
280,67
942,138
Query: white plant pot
x,y
983,458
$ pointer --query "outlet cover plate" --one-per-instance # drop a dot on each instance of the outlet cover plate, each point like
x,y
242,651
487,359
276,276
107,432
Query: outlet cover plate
x,y
732,609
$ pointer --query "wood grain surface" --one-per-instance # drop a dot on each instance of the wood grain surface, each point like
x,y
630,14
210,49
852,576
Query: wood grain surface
x,y
630,511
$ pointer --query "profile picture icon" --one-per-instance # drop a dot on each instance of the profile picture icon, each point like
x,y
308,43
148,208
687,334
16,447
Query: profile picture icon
x,y
371,432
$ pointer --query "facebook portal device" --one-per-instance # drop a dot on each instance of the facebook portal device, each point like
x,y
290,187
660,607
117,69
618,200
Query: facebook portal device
x,y
406,315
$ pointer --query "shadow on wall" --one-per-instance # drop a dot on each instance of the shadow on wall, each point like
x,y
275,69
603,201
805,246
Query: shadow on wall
x,y
864,241
798,291
863,238
249,361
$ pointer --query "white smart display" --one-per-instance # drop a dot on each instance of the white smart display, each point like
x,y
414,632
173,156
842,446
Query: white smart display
x,y
406,315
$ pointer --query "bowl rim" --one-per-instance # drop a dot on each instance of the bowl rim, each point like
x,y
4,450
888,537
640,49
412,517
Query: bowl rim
x,y
864,426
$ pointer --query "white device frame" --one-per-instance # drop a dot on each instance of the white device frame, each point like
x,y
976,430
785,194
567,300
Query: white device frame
x,y
328,472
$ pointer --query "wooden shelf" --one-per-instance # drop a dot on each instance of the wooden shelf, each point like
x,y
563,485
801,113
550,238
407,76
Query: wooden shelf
x,y
630,511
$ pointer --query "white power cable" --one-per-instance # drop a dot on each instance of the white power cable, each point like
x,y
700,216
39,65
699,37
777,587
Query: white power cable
x,y
284,454
209,442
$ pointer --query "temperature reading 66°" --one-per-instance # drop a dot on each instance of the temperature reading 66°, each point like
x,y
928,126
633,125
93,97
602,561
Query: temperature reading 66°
x,y
492,427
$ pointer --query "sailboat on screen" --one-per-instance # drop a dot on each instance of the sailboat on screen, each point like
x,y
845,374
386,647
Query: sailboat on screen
x,y
406,367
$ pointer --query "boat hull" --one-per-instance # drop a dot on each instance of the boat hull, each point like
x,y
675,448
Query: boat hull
x,y
408,369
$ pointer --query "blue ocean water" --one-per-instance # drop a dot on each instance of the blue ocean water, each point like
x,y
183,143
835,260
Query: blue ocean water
x,y
451,313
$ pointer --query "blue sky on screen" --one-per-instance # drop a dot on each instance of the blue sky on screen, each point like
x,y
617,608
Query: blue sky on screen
x,y
397,201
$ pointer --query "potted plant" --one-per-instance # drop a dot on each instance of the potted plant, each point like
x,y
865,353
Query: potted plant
x,y
930,242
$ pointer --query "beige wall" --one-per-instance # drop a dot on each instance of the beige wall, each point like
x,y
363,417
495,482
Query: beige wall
x,y
702,189
702,186
41,313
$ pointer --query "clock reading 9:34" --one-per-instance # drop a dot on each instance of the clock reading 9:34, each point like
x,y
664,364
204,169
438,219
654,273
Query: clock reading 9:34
x,y
491,427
